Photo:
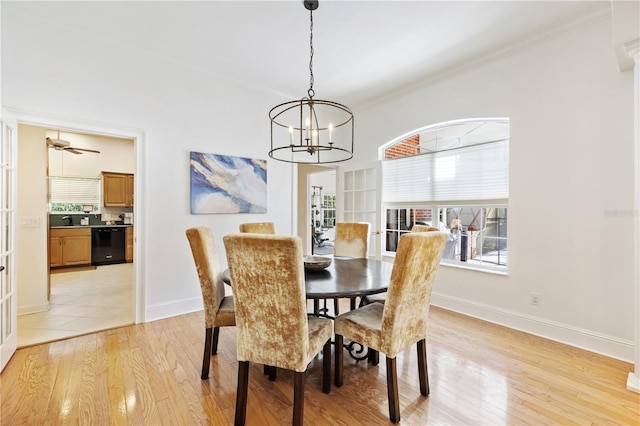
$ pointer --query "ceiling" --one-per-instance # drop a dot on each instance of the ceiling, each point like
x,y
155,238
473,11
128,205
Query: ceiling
x,y
363,50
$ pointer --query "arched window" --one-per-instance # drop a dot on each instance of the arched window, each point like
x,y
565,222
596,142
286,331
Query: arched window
x,y
454,176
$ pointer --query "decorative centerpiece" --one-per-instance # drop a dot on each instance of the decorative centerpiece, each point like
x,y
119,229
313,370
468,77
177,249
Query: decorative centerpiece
x,y
316,263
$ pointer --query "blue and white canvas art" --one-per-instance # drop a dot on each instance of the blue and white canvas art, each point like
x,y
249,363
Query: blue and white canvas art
x,y
227,184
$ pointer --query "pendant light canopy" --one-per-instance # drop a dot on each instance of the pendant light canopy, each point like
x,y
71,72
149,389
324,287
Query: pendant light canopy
x,y
308,130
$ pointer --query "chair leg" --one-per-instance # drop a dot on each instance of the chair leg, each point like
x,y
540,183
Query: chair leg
x,y
214,344
298,398
392,390
338,366
241,393
374,357
326,367
271,373
423,370
206,358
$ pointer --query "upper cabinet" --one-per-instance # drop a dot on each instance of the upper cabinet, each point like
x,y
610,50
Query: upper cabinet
x,y
117,189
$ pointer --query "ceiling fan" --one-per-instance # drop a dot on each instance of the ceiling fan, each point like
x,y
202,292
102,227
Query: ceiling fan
x,y
63,145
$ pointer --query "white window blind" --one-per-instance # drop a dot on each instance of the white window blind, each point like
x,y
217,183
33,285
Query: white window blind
x,y
471,173
73,190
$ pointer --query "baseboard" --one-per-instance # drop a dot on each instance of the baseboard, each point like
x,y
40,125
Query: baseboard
x,y
633,383
574,336
34,309
168,310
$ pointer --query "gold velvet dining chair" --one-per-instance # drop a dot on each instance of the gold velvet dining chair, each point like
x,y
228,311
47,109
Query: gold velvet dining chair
x,y
218,308
351,240
273,328
401,321
258,228
380,297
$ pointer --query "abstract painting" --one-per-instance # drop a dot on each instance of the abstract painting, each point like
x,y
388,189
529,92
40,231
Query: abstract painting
x,y
227,184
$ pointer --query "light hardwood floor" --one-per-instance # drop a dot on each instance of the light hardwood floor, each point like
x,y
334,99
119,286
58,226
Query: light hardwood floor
x,y
480,374
83,300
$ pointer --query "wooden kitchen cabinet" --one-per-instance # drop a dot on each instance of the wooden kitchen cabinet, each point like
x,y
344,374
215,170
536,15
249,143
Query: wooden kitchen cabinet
x,y
128,253
69,247
117,189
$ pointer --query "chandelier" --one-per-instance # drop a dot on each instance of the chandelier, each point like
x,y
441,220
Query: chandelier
x,y
311,131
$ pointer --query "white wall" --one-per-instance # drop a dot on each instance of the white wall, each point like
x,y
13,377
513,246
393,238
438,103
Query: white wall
x,y
50,71
571,177
31,233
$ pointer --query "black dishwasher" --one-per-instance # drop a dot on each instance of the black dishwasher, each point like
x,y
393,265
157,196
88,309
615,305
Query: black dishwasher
x,y
107,245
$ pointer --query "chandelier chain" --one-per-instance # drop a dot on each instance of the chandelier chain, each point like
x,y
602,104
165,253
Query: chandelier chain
x,y
311,91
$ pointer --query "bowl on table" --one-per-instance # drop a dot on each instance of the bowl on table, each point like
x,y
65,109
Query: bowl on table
x,y
316,263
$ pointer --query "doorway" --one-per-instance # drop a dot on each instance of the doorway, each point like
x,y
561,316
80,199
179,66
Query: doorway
x,y
84,298
322,211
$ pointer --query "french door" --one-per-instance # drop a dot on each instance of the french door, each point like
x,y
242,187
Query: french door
x,y
8,298
358,199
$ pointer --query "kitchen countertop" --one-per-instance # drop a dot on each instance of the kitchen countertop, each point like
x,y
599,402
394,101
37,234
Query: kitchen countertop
x,y
89,226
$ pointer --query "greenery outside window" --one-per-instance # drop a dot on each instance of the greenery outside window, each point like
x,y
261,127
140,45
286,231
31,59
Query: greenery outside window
x,y
74,194
454,176
329,211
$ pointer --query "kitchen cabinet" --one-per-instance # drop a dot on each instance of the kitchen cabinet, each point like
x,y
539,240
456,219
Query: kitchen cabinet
x,y
128,253
117,189
69,247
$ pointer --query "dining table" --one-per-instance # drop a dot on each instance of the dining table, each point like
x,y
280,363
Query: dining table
x,y
345,278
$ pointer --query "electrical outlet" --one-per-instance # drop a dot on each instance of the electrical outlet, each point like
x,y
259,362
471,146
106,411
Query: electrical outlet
x,y
535,299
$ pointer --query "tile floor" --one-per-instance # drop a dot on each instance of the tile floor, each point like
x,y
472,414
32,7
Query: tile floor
x,y
82,302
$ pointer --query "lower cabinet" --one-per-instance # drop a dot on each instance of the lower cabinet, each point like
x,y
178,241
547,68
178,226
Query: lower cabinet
x,y
69,247
128,252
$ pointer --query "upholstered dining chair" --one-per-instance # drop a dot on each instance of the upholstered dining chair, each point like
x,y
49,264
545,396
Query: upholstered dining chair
x,y
267,275
218,308
392,327
258,227
351,240
381,297
423,228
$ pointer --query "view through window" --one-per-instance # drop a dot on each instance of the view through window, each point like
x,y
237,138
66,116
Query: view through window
x,y
454,176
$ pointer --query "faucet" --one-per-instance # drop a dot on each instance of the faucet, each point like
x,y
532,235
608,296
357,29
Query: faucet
x,y
69,218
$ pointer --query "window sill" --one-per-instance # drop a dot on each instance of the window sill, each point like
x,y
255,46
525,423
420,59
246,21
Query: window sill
x,y
390,258
475,268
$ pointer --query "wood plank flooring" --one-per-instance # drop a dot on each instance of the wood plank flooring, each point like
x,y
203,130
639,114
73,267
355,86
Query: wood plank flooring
x,y
480,374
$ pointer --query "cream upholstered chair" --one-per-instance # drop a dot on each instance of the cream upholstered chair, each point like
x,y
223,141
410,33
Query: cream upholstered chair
x,y
258,228
351,239
261,228
218,308
267,275
392,327
381,297
423,228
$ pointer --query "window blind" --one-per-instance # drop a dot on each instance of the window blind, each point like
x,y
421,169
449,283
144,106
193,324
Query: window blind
x,y
476,172
73,190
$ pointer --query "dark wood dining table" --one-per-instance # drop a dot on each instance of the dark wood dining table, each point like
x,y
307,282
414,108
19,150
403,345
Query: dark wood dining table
x,y
345,278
